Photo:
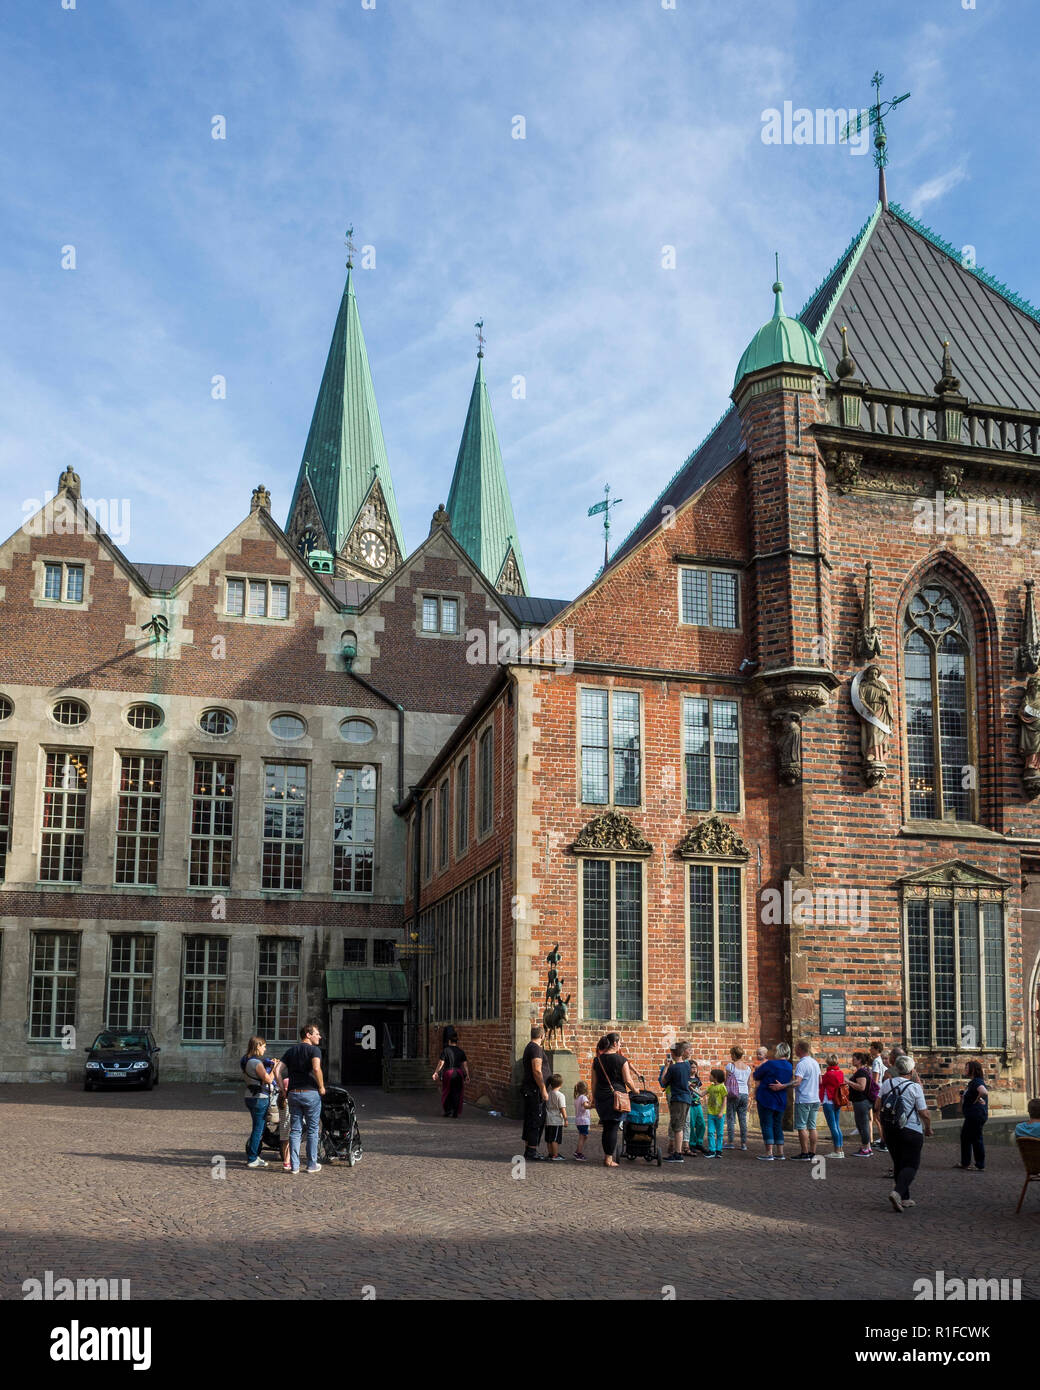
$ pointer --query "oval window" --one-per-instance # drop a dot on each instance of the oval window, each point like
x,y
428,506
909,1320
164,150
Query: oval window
x,y
6,708
70,712
144,716
216,721
356,731
288,726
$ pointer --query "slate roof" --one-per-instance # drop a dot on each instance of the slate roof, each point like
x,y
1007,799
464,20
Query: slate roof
x,y
478,503
162,577
352,592
533,612
900,290
345,448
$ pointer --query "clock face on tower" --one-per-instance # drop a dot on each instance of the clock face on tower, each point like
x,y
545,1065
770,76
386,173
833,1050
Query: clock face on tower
x,y
308,542
373,547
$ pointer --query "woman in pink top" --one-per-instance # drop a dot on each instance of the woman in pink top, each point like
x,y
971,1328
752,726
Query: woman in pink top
x,y
830,1084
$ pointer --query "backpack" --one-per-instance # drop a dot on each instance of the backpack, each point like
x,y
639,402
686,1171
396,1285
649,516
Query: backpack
x,y
873,1089
732,1082
892,1112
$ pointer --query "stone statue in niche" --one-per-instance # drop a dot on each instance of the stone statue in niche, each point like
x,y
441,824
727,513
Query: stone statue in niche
x,y
1029,736
873,701
787,728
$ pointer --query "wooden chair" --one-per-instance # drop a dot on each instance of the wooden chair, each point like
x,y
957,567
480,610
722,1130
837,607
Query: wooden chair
x,y
1030,1151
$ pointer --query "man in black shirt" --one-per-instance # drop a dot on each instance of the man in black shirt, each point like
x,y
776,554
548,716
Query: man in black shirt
x,y
306,1086
535,1094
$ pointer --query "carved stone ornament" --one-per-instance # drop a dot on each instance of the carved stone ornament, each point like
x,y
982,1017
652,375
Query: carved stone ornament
x,y
787,734
612,833
509,581
873,701
712,838
1029,648
373,516
306,522
846,470
69,482
1029,736
441,517
868,635
950,481
261,498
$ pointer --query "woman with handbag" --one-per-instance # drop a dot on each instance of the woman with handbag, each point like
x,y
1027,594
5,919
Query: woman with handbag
x,y
612,1080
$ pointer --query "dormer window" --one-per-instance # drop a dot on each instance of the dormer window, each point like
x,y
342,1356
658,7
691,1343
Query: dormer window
x,y
257,598
440,614
63,583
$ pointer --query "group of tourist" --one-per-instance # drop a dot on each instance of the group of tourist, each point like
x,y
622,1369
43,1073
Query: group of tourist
x,y
280,1095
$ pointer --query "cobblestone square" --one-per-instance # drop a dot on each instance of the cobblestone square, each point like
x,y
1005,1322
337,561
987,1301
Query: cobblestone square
x,y
120,1186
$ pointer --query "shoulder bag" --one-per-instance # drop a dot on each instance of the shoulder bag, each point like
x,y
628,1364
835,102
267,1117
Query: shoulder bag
x,y
622,1104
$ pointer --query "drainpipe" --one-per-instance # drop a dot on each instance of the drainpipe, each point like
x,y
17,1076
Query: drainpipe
x,y
349,653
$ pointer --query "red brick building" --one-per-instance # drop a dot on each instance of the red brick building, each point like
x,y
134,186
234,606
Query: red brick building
x,y
785,787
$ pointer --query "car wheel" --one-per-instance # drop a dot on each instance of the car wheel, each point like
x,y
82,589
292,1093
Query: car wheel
x,y
87,1086
155,1079
149,1083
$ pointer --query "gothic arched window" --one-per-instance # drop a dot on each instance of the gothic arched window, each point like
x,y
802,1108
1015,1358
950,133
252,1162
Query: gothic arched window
x,y
938,670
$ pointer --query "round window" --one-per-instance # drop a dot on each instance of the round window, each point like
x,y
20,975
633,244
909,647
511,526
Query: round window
x,y
356,731
288,726
6,708
70,712
144,716
217,721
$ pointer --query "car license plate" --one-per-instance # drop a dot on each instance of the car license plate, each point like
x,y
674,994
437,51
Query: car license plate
x,y
116,1074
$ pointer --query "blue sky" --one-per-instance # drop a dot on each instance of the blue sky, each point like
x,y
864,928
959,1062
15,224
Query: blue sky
x,y
198,257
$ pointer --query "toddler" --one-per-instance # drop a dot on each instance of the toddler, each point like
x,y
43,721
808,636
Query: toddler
x,y
555,1118
582,1106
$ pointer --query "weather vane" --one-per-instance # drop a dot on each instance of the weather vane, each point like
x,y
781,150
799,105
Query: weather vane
x,y
605,507
876,117
481,340
351,248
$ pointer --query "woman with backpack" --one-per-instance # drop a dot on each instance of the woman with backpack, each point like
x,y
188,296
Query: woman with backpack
x,y
834,1093
863,1092
737,1096
975,1108
453,1073
904,1122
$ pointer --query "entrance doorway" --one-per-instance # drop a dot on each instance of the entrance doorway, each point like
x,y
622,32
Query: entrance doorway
x,y
363,1036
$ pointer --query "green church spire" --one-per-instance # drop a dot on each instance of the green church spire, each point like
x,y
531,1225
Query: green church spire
x,y
481,513
344,497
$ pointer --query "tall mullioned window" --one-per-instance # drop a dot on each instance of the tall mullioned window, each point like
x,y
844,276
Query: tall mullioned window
x,y
939,707
716,944
278,988
610,747
285,825
711,750
462,806
131,972
64,824
486,780
138,818
443,824
955,952
55,970
6,789
612,939
354,829
464,968
204,988
212,822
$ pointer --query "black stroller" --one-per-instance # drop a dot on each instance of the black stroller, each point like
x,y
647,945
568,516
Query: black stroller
x,y
340,1137
639,1131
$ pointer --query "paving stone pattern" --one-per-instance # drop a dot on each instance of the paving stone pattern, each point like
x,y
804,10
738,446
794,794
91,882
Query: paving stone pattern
x,y
119,1186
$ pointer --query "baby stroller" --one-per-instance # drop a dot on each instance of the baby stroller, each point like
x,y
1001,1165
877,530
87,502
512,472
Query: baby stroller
x,y
340,1137
639,1131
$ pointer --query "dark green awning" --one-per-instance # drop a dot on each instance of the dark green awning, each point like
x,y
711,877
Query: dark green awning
x,y
366,986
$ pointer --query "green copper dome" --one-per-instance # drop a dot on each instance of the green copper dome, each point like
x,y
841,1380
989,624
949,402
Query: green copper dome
x,y
780,340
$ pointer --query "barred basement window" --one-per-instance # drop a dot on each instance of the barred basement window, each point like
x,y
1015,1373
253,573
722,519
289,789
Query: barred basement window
x,y
278,989
465,931
131,971
611,939
144,716
70,712
711,748
939,708
443,824
204,989
138,818
354,829
285,825
64,821
6,788
355,950
610,747
486,780
955,952
212,823
709,598
384,951
55,968
461,807
716,918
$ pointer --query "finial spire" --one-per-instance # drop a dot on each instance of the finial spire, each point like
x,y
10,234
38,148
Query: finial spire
x,y
778,289
351,248
481,340
876,117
